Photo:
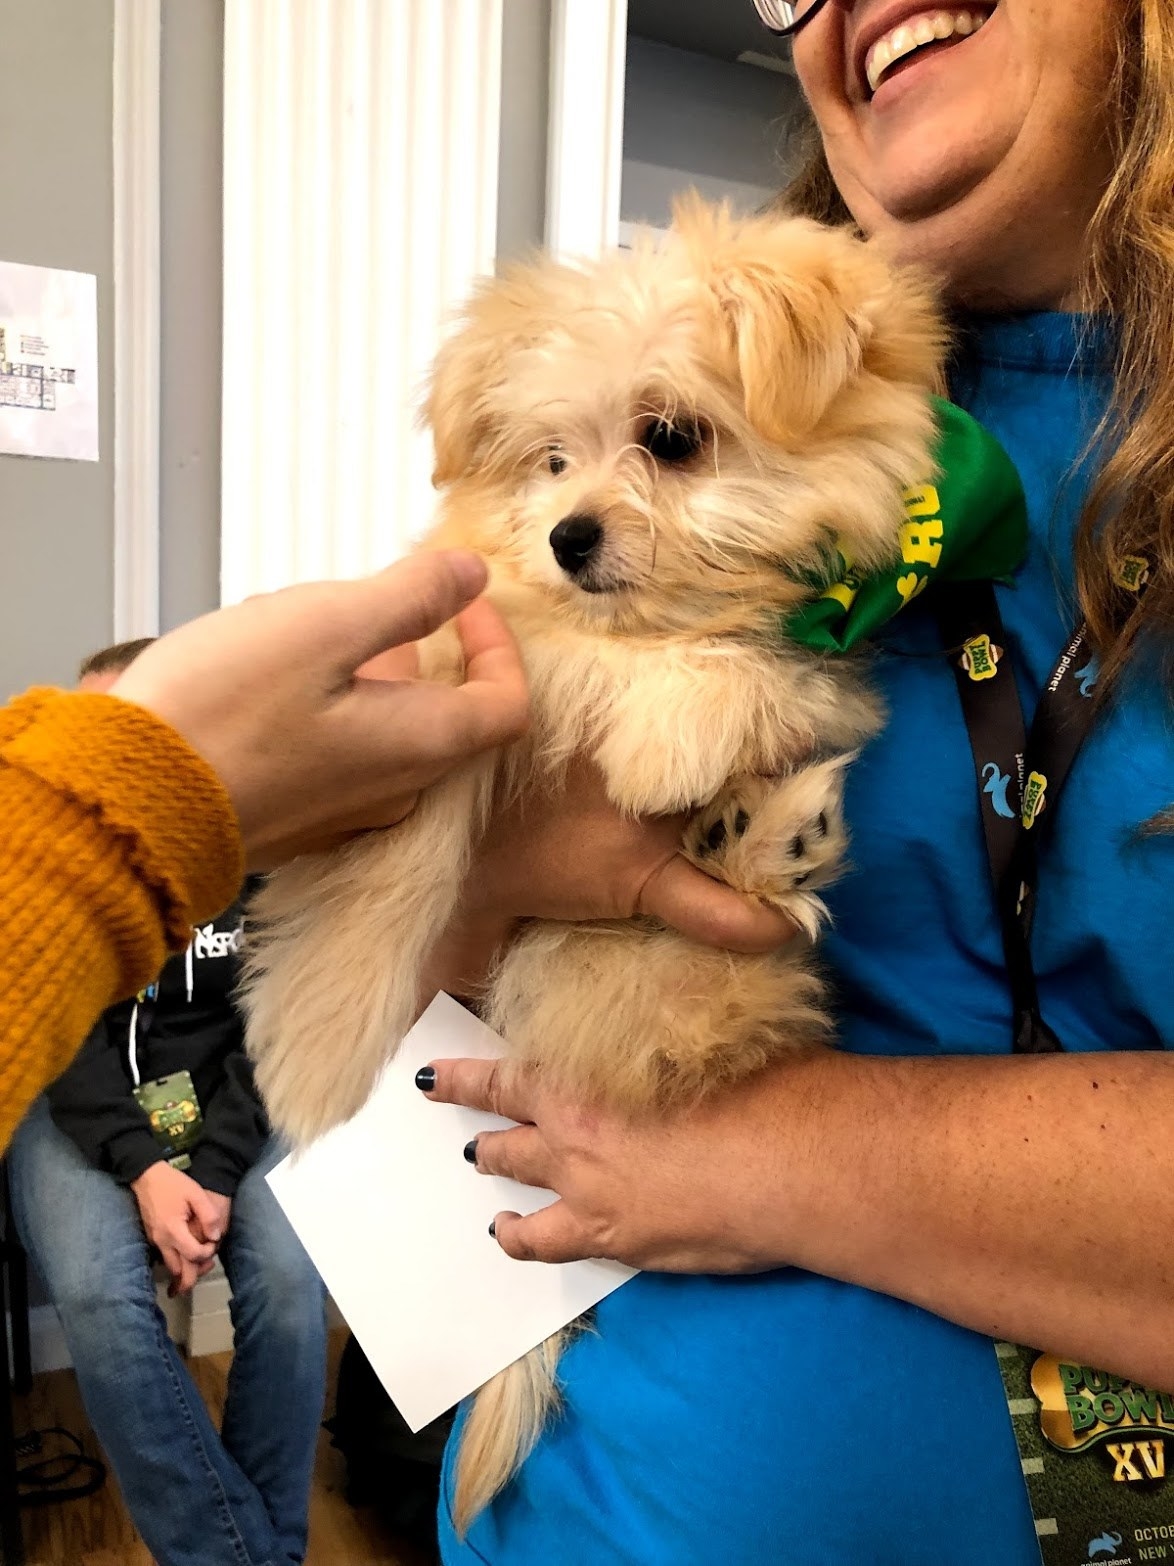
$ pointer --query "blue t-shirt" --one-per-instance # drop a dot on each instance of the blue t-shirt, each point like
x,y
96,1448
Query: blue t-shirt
x,y
787,1417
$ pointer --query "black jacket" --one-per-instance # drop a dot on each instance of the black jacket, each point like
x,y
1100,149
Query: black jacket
x,y
195,1026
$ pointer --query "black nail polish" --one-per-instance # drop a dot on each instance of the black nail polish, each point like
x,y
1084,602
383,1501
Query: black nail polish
x,y
493,1230
471,1151
426,1078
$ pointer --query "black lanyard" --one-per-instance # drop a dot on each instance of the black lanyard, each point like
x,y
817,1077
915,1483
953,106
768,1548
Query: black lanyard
x,y
1021,774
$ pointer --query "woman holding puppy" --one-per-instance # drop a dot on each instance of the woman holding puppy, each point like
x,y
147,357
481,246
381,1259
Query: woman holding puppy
x,y
924,1188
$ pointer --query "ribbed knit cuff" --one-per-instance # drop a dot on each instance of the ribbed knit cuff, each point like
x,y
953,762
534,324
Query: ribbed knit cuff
x,y
153,797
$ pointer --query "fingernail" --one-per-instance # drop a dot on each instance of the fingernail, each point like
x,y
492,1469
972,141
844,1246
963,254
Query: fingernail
x,y
471,1151
469,570
426,1078
493,1230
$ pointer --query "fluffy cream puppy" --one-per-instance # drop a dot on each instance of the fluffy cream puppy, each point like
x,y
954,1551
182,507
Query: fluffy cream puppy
x,y
654,453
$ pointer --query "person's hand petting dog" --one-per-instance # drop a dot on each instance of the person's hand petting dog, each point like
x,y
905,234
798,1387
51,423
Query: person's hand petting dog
x,y
310,750
182,1221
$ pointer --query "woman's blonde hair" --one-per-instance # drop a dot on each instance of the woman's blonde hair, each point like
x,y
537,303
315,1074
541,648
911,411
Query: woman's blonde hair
x,y
1129,275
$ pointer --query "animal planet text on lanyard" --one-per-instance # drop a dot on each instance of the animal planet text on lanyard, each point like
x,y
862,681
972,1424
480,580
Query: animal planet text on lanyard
x,y
1093,1447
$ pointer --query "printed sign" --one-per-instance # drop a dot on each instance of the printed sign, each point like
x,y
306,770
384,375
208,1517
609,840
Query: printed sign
x,y
48,362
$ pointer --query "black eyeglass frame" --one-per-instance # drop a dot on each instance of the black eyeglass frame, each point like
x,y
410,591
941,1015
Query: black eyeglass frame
x,y
792,28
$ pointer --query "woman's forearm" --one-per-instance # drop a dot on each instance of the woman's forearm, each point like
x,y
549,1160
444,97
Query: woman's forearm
x,y
1031,1198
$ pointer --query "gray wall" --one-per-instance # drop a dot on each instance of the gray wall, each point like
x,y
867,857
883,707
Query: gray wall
x,y
56,209
691,120
192,154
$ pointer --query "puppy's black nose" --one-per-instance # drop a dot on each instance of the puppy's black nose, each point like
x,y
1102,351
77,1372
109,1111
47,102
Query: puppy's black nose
x,y
574,540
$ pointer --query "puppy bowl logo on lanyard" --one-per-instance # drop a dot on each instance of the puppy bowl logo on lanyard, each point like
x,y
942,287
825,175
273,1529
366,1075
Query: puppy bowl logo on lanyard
x,y
980,657
1034,791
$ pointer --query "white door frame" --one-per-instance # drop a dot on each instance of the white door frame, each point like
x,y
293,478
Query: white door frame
x,y
584,167
137,39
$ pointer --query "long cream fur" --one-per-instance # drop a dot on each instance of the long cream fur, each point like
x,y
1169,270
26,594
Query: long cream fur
x,y
801,360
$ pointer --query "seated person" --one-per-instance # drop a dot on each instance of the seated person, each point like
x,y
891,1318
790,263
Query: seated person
x,y
154,1140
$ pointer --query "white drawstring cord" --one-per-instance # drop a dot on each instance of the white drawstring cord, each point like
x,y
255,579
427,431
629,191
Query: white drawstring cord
x,y
133,1044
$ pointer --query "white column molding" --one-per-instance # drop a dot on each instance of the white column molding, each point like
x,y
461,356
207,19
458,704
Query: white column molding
x,y
360,203
136,317
585,163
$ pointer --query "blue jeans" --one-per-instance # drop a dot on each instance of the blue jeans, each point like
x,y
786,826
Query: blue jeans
x,y
237,1498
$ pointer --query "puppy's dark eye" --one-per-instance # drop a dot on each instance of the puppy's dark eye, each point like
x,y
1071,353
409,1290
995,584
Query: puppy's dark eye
x,y
672,443
556,460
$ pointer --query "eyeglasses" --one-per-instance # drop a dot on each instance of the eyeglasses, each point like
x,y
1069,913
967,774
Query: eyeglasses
x,y
786,19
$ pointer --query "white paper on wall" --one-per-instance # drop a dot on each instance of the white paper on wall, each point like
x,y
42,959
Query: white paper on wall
x,y
48,362
396,1223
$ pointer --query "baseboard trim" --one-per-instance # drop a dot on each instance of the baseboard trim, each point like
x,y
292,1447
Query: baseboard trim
x,y
48,1349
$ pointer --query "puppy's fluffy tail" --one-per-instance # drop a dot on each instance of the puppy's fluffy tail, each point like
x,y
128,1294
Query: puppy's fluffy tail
x,y
335,951
504,1424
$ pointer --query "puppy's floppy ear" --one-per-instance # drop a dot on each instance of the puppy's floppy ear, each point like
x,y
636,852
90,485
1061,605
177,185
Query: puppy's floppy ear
x,y
458,410
464,407
796,341
803,310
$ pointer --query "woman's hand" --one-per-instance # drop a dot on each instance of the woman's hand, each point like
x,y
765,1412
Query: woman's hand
x,y
310,750
946,1181
569,853
701,1192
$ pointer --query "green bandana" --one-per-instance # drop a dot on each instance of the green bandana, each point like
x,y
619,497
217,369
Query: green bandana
x,y
969,525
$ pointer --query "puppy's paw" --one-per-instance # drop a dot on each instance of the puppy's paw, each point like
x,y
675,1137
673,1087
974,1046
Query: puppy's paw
x,y
780,839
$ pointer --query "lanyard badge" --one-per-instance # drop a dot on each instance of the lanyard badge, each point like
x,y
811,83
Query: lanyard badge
x,y
173,1112
1097,1453
170,1103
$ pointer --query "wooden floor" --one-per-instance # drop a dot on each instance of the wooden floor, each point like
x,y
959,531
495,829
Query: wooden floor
x,y
98,1532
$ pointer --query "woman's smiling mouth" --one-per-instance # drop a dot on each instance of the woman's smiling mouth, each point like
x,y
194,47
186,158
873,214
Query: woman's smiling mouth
x,y
924,32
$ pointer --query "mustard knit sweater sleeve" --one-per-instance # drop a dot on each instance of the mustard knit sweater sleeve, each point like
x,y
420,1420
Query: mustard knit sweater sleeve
x,y
115,838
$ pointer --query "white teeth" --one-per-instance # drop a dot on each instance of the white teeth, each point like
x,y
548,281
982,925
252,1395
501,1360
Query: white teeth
x,y
902,41
915,34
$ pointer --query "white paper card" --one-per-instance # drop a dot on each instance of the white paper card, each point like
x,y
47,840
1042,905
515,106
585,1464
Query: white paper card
x,y
396,1223
48,362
